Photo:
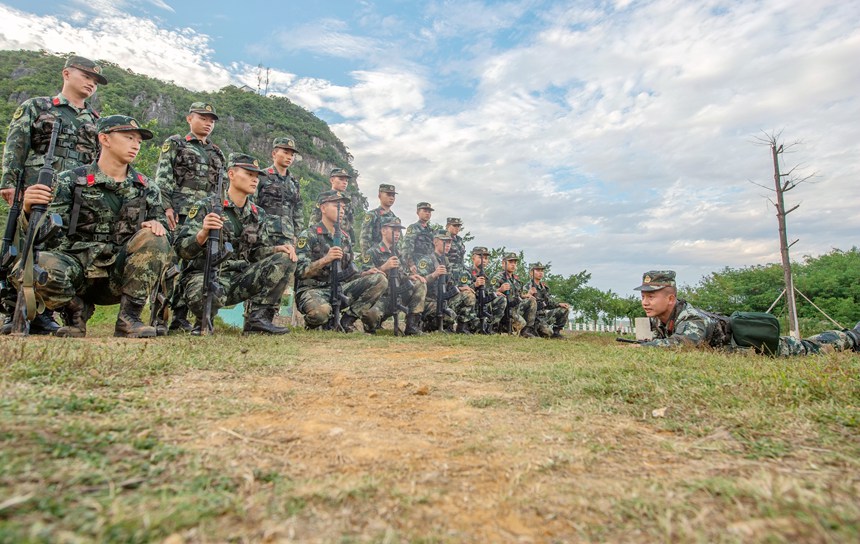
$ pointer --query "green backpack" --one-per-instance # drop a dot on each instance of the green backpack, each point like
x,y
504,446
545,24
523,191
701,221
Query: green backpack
x,y
757,330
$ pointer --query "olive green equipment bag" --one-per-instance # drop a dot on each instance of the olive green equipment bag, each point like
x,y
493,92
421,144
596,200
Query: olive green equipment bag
x,y
759,330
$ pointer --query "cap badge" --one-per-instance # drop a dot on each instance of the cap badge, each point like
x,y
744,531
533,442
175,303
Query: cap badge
x,y
97,69
646,279
208,107
134,123
256,163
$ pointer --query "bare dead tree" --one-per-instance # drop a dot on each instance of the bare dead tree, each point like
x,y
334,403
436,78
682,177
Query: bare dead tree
x,y
784,182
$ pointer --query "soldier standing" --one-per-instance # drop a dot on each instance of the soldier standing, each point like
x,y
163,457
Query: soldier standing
x,y
187,173
418,241
551,315
523,305
413,286
259,267
374,219
115,245
27,142
454,287
317,252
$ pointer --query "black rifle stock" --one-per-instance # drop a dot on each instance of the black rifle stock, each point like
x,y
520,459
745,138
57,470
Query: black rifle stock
x,y
31,272
628,341
214,257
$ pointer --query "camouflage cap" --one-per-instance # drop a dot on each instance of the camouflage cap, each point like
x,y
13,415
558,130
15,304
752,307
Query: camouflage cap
x,y
339,173
537,266
88,66
455,221
386,188
121,123
442,235
241,160
285,142
425,206
654,280
203,108
480,250
332,196
394,223
511,257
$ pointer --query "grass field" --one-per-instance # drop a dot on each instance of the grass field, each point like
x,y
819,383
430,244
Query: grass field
x,y
318,437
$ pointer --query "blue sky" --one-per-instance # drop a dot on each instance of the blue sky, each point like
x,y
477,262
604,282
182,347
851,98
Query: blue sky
x,y
613,136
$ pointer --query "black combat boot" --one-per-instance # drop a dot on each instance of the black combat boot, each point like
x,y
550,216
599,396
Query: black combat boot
x,y
160,327
128,323
180,320
413,325
6,328
195,331
855,336
347,322
259,321
556,332
75,316
44,323
462,328
528,332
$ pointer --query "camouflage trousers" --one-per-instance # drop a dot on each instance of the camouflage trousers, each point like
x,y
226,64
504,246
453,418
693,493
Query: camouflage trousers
x,y
496,310
461,306
411,297
261,284
523,315
547,320
824,342
363,292
136,268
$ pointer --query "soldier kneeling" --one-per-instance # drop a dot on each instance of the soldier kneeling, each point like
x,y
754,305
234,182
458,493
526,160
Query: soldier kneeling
x,y
257,270
114,245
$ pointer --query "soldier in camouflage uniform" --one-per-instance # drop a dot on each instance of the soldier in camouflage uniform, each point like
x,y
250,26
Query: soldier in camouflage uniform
x,y
418,241
457,253
317,252
374,219
413,287
259,267
27,142
677,323
187,173
498,302
461,304
115,245
339,180
551,315
523,305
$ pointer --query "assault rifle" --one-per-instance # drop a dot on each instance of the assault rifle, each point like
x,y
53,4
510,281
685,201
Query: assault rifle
x,y
31,272
394,305
628,341
214,257
509,323
337,299
443,294
482,300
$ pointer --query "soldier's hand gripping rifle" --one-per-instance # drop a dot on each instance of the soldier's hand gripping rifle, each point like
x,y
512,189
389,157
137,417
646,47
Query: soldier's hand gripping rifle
x,y
337,299
214,257
40,228
394,287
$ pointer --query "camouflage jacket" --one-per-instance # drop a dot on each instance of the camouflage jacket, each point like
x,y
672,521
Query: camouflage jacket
x,y
346,223
545,301
457,253
30,132
244,228
100,215
312,245
187,171
378,255
279,196
417,242
689,326
371,230
516,292
427,265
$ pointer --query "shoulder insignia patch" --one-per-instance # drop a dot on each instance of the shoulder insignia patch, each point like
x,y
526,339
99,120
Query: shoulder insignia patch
x,y
166,147
365,259
409,229
303,241
192,211
18,113
422,265
464,279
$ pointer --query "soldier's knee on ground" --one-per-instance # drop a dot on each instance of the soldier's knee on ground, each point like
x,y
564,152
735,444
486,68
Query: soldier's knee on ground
x,y
317,315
